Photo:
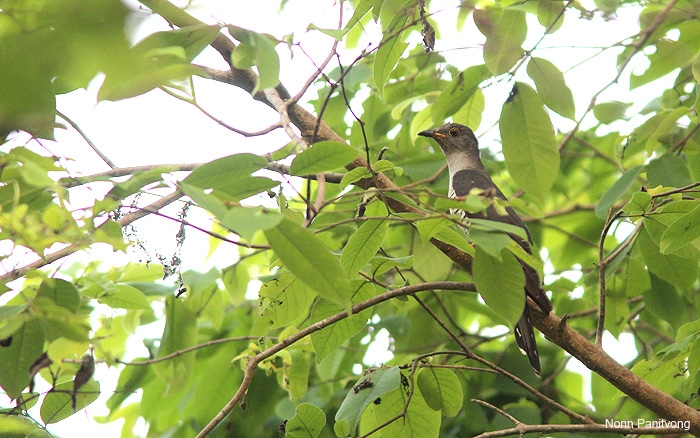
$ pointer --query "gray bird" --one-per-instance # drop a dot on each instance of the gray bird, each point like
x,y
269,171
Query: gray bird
x,y
461,149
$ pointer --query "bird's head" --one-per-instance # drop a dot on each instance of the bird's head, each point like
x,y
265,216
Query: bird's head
x,y
453,137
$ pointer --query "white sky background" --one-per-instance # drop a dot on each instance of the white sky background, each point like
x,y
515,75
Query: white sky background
x,y
157,129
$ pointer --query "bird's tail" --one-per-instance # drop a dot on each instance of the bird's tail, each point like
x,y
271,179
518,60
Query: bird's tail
x,y
525,338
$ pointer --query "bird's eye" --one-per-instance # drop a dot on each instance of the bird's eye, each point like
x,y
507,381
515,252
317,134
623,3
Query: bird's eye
x,y
454,132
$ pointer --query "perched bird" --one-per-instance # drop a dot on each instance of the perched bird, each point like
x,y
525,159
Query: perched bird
x,y
461,150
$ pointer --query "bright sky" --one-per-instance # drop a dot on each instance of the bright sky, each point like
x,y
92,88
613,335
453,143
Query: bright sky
x,y
155,128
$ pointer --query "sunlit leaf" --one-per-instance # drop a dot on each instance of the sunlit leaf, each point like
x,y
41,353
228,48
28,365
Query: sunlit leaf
x,y
529,143
323,156
551,86
310,260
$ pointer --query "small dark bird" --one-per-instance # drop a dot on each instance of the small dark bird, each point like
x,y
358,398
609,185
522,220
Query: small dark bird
x,y
84,374
461,149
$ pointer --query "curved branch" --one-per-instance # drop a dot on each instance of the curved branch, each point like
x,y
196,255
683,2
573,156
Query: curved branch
x,y
253,361
75,247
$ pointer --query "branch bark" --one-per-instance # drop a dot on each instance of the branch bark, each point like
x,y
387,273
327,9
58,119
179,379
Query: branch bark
x,y
555,329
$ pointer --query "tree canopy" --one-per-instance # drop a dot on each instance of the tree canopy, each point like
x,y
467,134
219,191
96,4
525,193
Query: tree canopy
x,y
341,236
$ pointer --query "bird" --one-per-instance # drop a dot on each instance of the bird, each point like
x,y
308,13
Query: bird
x,y
461,150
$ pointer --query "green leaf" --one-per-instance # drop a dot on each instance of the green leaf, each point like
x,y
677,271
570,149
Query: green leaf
x,y
368,388
159,59
354,176
284,300
328,340
679,271
681,232
390,50
179,333
307,422
57,404
363,245
503,47
125,297
323,156
670,55
668,121
550,14
500,282
441,390
492,243
663,300
419,422
27,345
458,92
529,143
259,50
246,221
551,86
608,112
471,112
669,170
229,179
360,11
192,39
310,260
209,175
616,191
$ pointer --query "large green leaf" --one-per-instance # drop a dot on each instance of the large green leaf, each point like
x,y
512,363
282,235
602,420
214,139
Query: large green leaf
x,y
323,156
441,389
363,245
179,333
159,59
458,92
679,271
307,422
256,49
420,420
506,33
670,55
25,347
551,86
310,260
229,178
681,232
391,47
501,283
529,143
330,338
58,403
368,388
616,191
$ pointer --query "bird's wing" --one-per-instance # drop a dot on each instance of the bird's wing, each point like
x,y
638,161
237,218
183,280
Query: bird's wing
x,y
465,180
462,183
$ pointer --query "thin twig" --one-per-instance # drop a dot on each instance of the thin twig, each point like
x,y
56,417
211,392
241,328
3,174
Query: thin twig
x,y
87,139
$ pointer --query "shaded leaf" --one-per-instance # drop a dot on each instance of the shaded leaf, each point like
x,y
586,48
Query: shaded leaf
x,y
500,282
441,390
616,191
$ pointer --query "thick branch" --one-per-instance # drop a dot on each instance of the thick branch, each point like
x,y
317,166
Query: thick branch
x,y
595,359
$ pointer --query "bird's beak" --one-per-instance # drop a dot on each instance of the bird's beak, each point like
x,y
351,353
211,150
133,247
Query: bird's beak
x,y
431,133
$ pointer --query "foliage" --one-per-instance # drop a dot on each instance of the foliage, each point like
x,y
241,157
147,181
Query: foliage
x,y
356,242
